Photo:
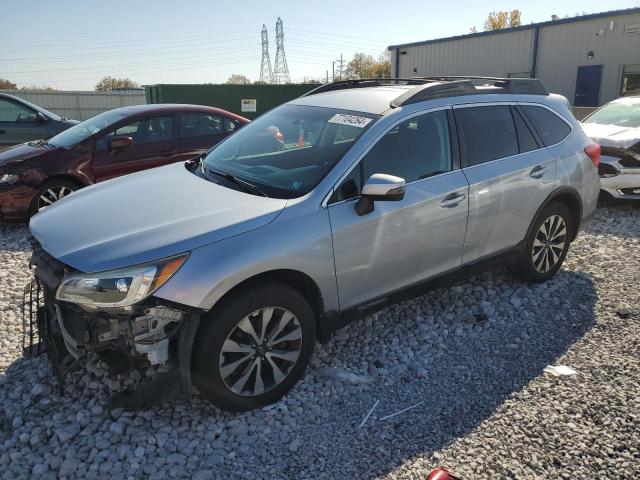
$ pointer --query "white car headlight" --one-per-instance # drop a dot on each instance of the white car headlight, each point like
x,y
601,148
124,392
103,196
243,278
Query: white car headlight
x,y
118,288
9,179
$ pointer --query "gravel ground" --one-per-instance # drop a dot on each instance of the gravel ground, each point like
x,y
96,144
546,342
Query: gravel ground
x,y
470,356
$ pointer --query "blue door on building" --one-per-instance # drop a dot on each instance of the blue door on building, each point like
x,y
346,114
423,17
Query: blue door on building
x,y
588,86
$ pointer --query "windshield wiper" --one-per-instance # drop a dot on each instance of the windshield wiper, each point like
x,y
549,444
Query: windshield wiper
x,y
246,186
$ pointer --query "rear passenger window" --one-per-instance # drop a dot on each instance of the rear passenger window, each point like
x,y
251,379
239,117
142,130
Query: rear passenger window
x,y
526,140
486,133
551,128
200,125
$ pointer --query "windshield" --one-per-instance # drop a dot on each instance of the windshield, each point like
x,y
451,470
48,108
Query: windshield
x,y
85,129
286,152
621,114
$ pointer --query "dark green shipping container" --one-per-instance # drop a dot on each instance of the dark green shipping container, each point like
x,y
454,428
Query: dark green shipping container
x,y
239,99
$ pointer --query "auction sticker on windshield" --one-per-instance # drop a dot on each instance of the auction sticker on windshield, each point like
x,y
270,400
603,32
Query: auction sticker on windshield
x,y
352,120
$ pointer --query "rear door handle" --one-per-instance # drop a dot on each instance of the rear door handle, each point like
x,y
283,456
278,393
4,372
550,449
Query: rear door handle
x,y
453,200
537,172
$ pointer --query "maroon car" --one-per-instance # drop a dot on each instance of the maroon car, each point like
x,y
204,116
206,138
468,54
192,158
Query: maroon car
x,y
34,175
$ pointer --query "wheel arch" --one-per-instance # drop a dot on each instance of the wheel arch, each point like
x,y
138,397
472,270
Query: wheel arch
x,y
570,198
295,279
75,179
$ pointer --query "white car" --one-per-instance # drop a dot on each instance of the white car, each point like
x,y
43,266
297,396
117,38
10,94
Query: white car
x,y
616,127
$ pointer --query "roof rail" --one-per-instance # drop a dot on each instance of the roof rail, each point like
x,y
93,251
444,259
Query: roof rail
x,y
429,88
365,82
450,86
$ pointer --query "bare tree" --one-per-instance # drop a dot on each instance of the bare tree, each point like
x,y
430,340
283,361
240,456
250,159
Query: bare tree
x,y
238,79
108,84
6,84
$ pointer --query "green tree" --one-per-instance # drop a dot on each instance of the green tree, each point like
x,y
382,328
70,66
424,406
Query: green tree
x,y
6,84
501,19
108,84
366,66
238,79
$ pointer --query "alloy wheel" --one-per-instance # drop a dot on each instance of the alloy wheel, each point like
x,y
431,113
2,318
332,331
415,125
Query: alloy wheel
x,y
52,195
260,351
549,243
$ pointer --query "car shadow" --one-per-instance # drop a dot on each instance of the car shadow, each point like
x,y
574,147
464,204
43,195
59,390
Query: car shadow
x,y
420,358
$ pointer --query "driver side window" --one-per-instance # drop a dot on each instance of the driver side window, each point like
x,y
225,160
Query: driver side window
x,y
12,112
417,148
147,130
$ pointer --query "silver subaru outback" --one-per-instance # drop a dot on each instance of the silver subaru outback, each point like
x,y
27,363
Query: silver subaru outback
x,y
359,194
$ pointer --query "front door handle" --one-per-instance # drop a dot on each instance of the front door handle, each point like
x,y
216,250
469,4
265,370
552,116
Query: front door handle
x,y
537,172
453,200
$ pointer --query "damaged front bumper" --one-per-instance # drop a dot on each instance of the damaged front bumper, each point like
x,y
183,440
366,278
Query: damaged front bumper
x,y
620,173
151,332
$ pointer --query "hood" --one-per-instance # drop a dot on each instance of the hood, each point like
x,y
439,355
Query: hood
x,y
146,216
22,152
612,135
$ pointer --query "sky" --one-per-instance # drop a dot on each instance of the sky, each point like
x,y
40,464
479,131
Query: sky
x,y
71,44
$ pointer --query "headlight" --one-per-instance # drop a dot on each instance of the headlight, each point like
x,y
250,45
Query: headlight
x,y
9,179
118,288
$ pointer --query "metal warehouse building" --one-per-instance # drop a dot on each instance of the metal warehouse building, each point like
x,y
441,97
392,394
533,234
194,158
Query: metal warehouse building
x,y
590,59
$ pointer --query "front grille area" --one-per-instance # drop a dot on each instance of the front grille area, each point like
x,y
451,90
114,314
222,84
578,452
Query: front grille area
x,y
631,191
630,162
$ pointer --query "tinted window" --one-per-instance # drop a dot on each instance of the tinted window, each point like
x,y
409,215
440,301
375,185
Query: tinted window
x,y
350,186
486,133
416,148
148,130
201,125
549,126
526,140
12,112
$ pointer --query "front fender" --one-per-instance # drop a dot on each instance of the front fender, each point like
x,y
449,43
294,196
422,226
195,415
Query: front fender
x,y
296,241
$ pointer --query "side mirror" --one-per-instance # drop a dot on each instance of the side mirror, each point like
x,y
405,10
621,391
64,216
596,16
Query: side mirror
x,y
40,117
379,187
120,143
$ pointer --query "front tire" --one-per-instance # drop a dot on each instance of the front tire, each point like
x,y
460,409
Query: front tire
x,y
254,347
546,246
49,193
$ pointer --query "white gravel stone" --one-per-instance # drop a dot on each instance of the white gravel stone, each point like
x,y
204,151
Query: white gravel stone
x,y
474,353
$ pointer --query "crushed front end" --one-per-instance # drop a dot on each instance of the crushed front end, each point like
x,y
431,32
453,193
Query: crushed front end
x,y
620,171
149,332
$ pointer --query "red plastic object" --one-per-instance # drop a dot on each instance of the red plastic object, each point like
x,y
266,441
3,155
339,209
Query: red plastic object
x,y
593,151
442,473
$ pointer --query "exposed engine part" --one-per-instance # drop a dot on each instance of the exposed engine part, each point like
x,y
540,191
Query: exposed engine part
x,y
157,351
149,333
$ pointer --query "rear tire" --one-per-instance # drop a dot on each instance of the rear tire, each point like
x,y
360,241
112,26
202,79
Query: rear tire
x,y
50,192
239,361
546,246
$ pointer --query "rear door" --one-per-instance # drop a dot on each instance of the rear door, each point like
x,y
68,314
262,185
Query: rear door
x,y
19,124
154,144
402,242
510,175
199,131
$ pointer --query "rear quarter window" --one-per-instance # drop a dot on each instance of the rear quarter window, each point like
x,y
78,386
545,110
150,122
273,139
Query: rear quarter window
x,y
551,128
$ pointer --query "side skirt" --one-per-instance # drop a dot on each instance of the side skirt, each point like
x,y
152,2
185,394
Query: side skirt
x,y
334,321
